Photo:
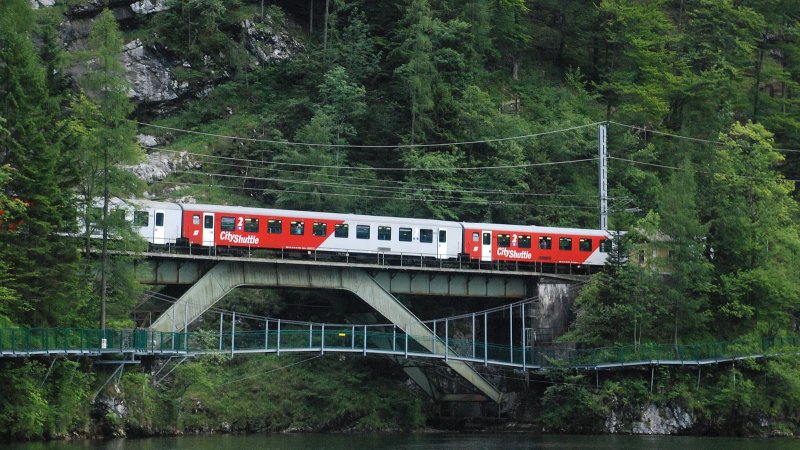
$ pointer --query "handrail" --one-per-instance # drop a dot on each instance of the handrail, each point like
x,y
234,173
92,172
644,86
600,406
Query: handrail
x,y
21,342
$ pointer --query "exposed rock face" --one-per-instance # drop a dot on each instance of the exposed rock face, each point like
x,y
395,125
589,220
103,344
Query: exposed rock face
x,y
146,7
550,317
269,45
158,165
671,419
150,77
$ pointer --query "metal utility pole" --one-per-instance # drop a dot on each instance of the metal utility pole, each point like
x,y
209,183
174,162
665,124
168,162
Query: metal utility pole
x,y
601,138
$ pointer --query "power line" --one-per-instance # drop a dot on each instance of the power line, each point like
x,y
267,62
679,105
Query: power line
x,y
385,169
363,146
384,182
688,138
377,197
400,190
663,166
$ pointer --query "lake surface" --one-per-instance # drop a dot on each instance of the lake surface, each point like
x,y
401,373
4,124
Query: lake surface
x,y
417,441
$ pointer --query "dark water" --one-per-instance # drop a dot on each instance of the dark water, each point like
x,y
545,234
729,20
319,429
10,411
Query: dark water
x,y
506,441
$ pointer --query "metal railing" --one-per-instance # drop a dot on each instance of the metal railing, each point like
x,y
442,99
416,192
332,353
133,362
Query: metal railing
x,y
279,337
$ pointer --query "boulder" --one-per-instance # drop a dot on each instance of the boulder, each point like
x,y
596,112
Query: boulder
x,y
36,4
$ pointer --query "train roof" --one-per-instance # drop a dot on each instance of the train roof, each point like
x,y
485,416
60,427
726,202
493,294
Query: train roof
x,y
315,215
535,229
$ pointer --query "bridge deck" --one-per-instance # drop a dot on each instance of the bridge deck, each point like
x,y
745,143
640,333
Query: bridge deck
x,y
566,272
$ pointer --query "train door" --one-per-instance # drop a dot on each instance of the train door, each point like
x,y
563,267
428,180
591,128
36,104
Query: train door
x,y
158,228
208,229
441,251
486,246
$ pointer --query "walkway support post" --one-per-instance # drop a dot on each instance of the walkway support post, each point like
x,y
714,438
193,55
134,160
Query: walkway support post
x,y
511,334
473,335
485,339
221,321
446,338
524,347
279,337
233,332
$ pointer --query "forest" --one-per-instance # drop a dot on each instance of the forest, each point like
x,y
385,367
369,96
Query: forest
x,y
469,110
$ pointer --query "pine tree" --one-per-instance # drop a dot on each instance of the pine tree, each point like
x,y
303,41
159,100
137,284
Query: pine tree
x,y
41,260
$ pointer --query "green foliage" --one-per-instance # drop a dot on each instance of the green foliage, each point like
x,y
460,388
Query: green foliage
x,y
274,394
753,231
570,405
44,276
147,408
37,402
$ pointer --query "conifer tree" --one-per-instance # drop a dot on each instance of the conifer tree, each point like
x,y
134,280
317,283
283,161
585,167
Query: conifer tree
x,y
41,260
106,136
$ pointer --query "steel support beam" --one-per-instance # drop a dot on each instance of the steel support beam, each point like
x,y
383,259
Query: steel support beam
x,y
227,275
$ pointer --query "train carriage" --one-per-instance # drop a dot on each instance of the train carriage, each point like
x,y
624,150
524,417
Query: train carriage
x,y
497,242
213,225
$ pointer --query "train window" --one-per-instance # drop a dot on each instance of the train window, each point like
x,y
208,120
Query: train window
x,y
274,226
142,219
159,219
442,236
605,245
405,235
524,241
320,229
426,236
565,243
545,242
487,238
196,219
362,231
342,230
227,223
208,222
297,227
585,245
384,233
251,225
476,237
503,240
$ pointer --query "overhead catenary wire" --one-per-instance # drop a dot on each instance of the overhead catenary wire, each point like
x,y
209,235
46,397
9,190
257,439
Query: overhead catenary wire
x,y
383,182
401,190
383,197
369,146
664,166
688,138
387,169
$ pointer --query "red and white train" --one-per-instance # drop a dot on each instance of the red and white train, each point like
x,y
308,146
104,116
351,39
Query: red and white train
x,y
162,223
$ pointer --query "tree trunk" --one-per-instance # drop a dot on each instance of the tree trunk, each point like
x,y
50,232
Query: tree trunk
x,y
325,27
515,71
104,259
759,64
311,18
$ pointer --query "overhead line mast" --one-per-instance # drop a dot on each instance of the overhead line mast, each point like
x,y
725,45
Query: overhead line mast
x,y
601,138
